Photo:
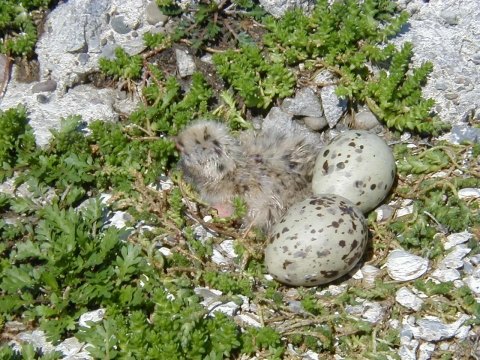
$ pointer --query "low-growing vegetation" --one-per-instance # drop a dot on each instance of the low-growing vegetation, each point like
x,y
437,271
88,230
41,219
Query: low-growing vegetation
x,y
61,256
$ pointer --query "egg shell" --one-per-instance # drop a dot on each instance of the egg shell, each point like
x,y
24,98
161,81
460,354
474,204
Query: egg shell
x,y
358,165
317,241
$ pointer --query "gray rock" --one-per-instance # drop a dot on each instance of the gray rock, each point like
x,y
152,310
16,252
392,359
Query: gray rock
x,y
305,103
453,50
153,14
449,17
185,63
84,100
278,8
278,120
462,132
44,86
333,107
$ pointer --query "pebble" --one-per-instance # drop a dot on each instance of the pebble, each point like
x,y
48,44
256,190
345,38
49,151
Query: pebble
x,y
118,24
315,123
365,120
44,86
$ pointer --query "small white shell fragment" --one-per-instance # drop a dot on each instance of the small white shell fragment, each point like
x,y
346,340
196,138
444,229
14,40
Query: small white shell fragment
x,y
384,212
374,312
227,247
368,311
403,266
454,259
95,316
445,275
333,290
357,165
469,193
209,296
218,258
249,320
165,251
473,283
317,241
370,273
408,299
425,351
457,238
403,211
431,328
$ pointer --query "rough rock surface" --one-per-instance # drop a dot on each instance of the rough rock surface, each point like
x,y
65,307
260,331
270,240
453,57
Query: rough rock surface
x,y
447,33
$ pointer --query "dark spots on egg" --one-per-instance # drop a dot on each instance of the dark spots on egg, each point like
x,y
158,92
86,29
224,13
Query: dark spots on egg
x,y
342,243
321,254
341,165
300,254
353,245
313,231
286,263
325,166
373,187
325,153
285,249
284,230
352,144
358,184
329,274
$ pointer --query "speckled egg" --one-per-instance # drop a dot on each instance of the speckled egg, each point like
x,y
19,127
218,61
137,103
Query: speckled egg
x,y
317,241
358,165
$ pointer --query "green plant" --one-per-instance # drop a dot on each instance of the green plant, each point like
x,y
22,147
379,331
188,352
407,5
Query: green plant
x,y
124,66
212,22
257,80
16,138
17,27
346,38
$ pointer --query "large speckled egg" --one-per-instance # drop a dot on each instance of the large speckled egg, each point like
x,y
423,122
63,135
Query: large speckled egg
x,y
357,165
317,241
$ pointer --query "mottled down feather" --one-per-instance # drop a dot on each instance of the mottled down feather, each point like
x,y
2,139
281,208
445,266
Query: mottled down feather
x,y
269,170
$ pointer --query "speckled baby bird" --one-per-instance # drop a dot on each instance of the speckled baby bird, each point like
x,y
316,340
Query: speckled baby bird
x,y
270,171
